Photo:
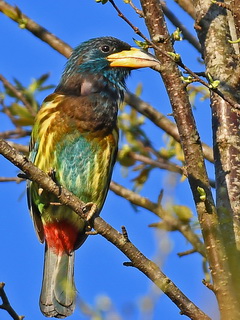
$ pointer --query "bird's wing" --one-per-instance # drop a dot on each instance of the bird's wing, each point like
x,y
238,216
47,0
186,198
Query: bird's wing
x,y
39,140
32,188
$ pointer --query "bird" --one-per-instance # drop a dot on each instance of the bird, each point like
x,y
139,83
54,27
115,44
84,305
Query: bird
x,y
75,140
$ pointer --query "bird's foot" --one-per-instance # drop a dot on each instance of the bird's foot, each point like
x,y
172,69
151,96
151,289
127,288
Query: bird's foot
x,y
52,174
91,233
22,175
89,209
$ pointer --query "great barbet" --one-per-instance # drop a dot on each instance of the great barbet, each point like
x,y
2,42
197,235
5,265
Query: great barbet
x,y
75,139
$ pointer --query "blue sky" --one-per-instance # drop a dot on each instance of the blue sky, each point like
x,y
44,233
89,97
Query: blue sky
x,y
99,270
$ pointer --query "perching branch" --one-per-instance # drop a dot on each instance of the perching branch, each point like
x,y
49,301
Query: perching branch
x,y
6,304
149,268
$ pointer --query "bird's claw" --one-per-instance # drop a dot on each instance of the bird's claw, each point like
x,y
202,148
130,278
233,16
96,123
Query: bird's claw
x,y
89,209
52,174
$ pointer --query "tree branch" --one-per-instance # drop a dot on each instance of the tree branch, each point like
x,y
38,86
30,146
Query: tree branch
x,y
236,16
222,64
14,134
6,304
159,163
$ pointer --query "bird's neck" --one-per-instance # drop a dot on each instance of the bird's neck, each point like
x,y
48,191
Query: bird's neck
x,y
109,84
91,99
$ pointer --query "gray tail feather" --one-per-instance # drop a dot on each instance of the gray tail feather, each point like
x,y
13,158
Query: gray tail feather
x,y
58,290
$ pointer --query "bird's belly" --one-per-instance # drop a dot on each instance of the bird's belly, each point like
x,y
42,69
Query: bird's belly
x,y
84,166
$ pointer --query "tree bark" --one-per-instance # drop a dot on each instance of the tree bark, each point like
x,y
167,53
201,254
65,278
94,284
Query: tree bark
x,y
212,24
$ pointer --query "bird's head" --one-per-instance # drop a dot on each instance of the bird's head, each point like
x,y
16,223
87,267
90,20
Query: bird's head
x,y
104,58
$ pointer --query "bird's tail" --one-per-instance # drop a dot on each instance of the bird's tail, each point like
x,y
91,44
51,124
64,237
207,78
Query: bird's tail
x,y
58,290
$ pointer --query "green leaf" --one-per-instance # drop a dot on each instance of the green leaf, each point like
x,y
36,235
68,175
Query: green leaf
x,y
176,56
101,1
213,84
141,178
18,84
188,79
37,83
18,110
184,213
124,157
176,35
141,44
202,193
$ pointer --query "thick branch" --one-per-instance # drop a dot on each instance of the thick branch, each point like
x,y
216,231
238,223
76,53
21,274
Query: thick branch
x,y
149,268
222,64
236,16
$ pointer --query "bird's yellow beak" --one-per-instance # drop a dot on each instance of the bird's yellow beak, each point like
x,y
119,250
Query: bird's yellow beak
x,y
133,58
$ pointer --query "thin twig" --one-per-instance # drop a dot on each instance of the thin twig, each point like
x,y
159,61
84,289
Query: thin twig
x,y
11,179
14,134
138,11
186,253
164,164
6,304
19,147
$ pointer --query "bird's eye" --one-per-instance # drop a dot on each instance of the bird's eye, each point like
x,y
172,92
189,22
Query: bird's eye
x,y
105,48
